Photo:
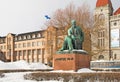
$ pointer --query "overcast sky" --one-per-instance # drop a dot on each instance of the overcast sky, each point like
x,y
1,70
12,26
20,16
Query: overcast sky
x,y
19,16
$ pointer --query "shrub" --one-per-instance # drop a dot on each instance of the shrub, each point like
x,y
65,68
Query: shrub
x,y
1,75
75,77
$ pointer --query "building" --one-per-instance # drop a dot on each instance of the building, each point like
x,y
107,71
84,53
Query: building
x,y
108,33
40,46
37,46
25,46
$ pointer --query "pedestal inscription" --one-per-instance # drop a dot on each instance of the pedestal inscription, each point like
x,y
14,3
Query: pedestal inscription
x,y
71,61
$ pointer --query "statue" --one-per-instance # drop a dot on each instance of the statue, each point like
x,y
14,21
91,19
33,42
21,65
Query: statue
x,y
74,39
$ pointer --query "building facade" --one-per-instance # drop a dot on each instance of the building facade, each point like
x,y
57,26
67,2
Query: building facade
x,y
108,33
37,46
26,46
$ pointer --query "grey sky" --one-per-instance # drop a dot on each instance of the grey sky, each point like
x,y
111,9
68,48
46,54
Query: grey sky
x,y
19,16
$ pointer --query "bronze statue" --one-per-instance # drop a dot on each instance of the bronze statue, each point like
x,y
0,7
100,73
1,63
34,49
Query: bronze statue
x,y
74,39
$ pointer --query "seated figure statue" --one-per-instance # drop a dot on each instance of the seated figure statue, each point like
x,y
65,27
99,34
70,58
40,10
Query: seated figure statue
x,y
74,39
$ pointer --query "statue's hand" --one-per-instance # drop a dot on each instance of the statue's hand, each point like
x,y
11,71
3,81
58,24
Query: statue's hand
x,y
73,37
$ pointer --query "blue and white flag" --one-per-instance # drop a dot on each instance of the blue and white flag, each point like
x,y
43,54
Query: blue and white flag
x,y
47,17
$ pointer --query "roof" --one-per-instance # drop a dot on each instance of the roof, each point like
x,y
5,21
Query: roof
x,y
30,32
103,3
117,11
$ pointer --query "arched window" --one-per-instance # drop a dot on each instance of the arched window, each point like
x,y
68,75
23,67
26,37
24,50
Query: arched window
x,y
101,57
101,17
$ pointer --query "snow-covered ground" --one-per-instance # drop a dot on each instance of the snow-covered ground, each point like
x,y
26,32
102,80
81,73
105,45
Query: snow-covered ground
x,y
83,70
22,65
19,76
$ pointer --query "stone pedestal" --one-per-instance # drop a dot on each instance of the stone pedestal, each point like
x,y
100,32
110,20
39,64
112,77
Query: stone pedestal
x,y
71,61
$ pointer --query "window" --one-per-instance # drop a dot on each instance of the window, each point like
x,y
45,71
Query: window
x,y
19,45
115,23
24,52
15,38
38,35
29,52
0,40
39,51
16,53
101,16
20,38
24,37
1,47
101,42
33,52
24,45
101,57
20,53
115,56
28,44
4,40
33,36
38,43
101,38
101,34
115,38
28,37
33,44
15,45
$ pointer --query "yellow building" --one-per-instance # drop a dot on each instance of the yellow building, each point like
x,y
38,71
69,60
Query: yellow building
x,y
26,46
37,46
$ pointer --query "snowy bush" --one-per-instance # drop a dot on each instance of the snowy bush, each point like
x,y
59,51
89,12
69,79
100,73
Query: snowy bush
x,y
75,77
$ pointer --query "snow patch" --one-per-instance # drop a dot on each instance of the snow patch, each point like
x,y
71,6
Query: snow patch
x,y
69,71
22,65
19,77
39,66
85,70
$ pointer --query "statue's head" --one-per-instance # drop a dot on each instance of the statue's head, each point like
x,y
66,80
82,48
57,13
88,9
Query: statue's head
x,y
73,22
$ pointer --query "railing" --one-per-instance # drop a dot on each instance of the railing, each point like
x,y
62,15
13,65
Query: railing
x,y
105,65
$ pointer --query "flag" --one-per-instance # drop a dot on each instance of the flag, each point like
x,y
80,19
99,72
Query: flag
x,y
47,17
